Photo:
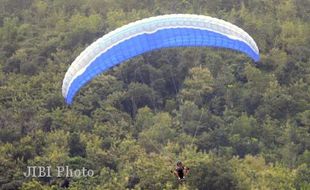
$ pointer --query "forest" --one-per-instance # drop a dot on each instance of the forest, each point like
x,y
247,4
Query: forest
x,y
238,125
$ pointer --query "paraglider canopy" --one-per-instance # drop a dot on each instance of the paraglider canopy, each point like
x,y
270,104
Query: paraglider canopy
x,y
176,30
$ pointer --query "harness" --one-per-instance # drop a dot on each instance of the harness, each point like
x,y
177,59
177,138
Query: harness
x,y
180,171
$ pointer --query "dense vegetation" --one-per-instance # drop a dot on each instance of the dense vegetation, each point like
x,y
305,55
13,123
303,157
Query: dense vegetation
x,y
236,124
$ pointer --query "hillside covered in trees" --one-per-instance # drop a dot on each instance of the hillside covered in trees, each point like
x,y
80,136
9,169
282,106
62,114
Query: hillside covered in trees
x,y
237,124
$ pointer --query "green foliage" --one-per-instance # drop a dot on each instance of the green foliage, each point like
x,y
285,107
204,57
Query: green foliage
x,y
302,180
76,148
236,124
32,185
158,133
197,85
254,173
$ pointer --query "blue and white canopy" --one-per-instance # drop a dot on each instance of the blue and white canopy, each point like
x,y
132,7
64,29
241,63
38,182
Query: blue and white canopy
x,y
176,30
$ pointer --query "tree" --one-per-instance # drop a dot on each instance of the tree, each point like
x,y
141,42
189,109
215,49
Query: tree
x,y
76,148
198,85
160,132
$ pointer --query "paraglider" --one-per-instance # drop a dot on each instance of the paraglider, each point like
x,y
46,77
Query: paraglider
x,y
180,171
175,30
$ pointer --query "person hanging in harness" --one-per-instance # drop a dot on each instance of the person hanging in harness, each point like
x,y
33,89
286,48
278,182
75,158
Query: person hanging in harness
x,y
180,171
